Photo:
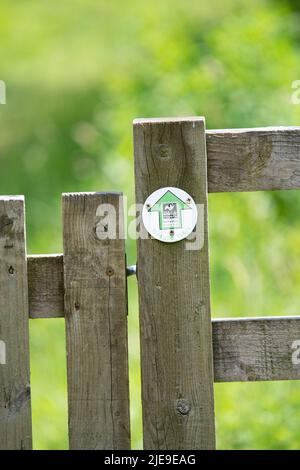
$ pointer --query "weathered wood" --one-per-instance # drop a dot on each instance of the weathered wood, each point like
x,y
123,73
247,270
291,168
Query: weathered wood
x,y
96,325
15,408
256,349
253,159
174,295
235,351
46,301
46,286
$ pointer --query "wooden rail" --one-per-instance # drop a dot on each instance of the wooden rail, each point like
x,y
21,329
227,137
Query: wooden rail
x,y
252,349
245,349
45,286
253,159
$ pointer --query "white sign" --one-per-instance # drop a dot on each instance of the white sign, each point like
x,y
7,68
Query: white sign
x,y
170,214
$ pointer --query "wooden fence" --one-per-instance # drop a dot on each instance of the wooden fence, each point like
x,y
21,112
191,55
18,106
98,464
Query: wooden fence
x,y
183,352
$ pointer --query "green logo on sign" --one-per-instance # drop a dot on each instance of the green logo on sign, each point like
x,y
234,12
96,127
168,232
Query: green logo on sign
x,y
169,208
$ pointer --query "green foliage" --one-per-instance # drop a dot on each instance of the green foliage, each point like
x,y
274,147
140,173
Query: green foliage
x,y
77,74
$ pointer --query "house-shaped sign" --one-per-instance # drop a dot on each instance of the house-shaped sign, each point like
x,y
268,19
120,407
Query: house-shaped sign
x,y
169,207
169,214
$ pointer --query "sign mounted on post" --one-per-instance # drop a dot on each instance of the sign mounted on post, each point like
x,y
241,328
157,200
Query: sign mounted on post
x,y
169,214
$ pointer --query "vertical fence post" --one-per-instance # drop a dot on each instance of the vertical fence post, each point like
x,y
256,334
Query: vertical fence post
x,y
96,321
174,294
15,407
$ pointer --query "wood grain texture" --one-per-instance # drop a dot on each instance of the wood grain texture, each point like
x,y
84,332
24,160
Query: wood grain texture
x,y
46,286
174,295
253,159
96,326
256,349
15,408
239,343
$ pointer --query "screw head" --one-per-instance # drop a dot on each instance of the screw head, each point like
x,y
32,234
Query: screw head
x,y
110,271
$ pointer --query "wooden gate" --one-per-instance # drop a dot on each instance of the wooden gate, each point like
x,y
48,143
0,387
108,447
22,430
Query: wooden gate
x,y
183,352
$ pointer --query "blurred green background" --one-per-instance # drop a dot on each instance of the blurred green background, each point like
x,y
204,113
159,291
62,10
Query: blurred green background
x,y
77,74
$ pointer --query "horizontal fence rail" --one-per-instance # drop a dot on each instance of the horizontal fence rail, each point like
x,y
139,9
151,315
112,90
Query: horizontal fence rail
x,y
245,349
253,159
252,349
46,286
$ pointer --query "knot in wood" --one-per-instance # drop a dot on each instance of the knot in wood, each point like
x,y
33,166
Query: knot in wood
x,y
6,225
163,151
183,406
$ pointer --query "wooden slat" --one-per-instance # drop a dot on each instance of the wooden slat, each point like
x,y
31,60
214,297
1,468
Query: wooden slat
x,y
174,295
15,408
256,349
253,159
46,286
96,325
